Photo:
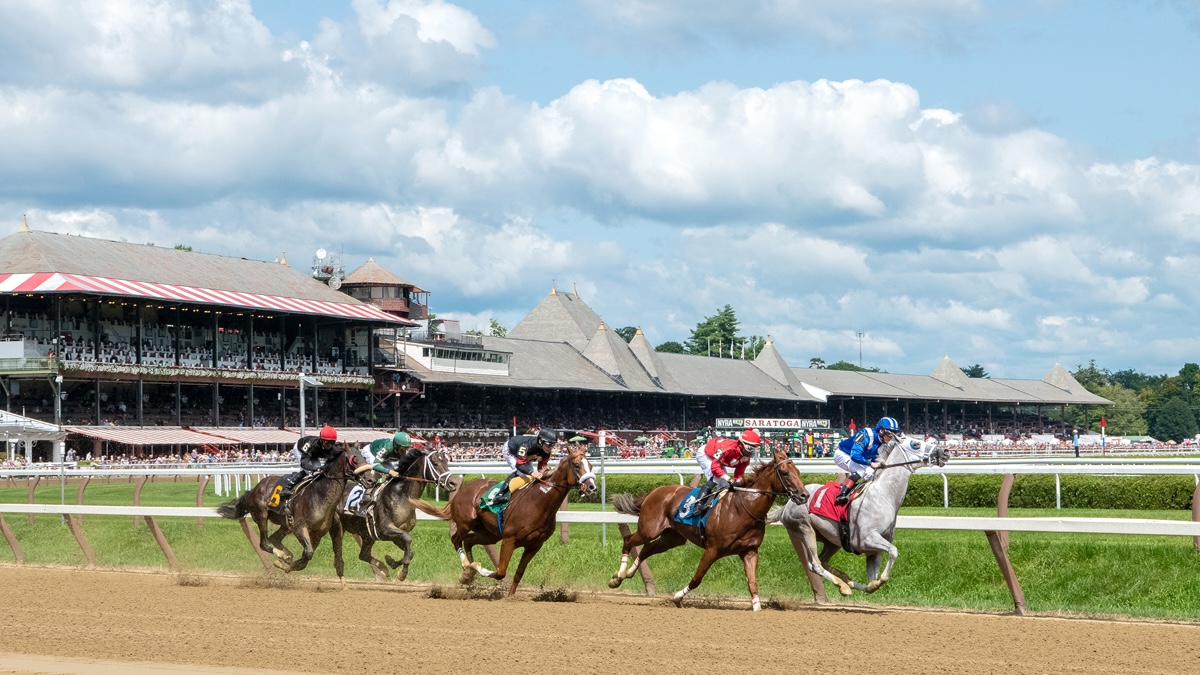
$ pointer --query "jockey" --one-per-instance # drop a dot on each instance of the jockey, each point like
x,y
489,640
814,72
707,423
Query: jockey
x,y
718,457
391,456
311,452
519,453
856,455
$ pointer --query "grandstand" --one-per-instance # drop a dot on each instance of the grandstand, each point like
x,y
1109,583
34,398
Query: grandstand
x,y
100,333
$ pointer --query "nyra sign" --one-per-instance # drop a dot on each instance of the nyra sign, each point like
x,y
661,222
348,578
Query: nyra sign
x,y
771,423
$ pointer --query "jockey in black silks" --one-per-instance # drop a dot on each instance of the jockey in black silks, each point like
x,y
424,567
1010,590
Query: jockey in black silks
x,y
312,452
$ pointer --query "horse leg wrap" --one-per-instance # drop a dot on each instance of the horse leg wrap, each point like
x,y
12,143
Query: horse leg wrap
x,y
624,565
678,597
755,605
462,556
481,569
632,569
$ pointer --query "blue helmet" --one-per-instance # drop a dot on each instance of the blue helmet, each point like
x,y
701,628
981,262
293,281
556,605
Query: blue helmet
x,y
888,424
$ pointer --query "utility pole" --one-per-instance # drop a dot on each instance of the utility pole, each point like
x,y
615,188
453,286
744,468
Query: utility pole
x,y
860,337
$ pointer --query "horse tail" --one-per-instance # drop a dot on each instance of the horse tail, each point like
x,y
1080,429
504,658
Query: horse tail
x,y
774,515
234,508
628,504
442,513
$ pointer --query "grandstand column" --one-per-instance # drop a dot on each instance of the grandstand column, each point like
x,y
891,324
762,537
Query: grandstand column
x,y
96,348
250,406
216,343
927,429
96,392
137,347
250,345
216,402
1041,422
283,348
991,427
56,339
178,403
178,332
315,369
282,407
346,410
140,390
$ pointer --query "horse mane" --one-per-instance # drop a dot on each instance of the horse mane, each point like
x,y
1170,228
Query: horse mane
x,y
761,467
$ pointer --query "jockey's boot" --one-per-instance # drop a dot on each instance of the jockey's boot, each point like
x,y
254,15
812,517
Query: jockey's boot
x,y
847,486
502,495
704,500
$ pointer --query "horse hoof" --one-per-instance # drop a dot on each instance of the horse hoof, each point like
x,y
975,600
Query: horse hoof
x,y
846,592
467,576
614,582
402,573
282,564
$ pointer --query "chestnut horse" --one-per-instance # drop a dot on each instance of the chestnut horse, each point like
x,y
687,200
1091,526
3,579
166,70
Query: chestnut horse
x,y
736,523
394,515
527,522
314,514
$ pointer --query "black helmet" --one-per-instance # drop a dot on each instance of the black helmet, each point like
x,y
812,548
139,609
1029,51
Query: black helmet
x,y
548,436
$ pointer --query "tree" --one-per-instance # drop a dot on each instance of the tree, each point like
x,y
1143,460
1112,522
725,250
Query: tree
x,y
714,334
976,371
1091,376
627,333
1125,417
182,247
1135,381
846,365
816,362
671,347
497,329
1173,421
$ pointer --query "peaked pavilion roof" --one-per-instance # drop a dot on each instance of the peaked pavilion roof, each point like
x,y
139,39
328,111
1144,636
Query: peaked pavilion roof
x,y
559,317
372,273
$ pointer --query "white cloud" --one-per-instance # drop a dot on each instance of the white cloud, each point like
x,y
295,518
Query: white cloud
x,y
837,22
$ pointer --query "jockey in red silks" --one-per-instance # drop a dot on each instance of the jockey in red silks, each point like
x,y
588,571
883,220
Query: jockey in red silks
x,y
719,456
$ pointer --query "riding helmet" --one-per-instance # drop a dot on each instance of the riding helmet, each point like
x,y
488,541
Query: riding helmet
x,y
401,439
328,433
888,424
548,436
750,438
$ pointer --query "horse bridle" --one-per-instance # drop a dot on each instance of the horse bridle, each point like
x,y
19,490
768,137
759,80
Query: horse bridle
x,y
926,459
790,491
442,478
577,472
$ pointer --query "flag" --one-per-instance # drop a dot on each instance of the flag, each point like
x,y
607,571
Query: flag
x,y
1103,422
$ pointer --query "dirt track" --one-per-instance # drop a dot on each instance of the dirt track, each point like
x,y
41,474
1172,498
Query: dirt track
x,y
149,618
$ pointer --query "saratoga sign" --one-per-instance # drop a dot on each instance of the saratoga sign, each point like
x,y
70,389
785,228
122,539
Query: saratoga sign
x,y
765,423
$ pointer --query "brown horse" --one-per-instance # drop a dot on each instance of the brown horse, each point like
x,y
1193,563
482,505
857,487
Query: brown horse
x,y
314,514
393,515
735,526
528,521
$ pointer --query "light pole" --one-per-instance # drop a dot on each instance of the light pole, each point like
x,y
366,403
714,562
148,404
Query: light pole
x,y
860,337
58,380
304,379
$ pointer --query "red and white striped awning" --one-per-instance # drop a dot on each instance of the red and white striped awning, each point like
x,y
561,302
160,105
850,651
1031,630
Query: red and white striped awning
x,y
149,435
55,282
253,435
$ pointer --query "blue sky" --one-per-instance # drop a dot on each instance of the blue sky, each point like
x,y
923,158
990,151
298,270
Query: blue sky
x,y
1009,183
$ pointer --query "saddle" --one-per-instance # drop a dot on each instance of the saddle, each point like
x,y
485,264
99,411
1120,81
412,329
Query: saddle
x,y
488,501
822,504
686,514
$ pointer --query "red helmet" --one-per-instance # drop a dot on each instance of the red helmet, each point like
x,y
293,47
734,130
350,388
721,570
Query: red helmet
x,y
328,433
750,439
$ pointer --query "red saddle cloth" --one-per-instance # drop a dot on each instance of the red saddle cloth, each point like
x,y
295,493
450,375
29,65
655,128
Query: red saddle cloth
x,y
821,502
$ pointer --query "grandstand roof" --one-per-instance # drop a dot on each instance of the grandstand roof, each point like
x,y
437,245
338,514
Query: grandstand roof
x,y
560,317
372,273
563,344
48,262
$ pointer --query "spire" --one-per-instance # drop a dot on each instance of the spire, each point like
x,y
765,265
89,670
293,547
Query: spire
x,y
601,326
371,259
283,258
553,290
948,372
574,290
639,332
1059,377
24,224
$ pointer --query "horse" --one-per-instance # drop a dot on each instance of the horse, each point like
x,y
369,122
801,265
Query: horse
x,y
314,514
736,523
528,521
394,515
872,517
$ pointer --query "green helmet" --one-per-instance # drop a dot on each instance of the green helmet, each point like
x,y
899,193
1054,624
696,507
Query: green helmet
x,y
401,439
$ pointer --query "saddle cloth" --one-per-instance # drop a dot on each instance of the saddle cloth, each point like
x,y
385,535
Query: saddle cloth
x,y
353,498
685,514
487,501
821,502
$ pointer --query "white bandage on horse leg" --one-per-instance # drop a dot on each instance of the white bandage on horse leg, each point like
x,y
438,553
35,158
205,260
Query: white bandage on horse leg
x,y
462,556
680,594
624,565
632,568
754,603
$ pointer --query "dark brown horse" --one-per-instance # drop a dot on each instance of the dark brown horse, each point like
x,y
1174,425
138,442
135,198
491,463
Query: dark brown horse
x,y
393,515
314,514
735,526
528,522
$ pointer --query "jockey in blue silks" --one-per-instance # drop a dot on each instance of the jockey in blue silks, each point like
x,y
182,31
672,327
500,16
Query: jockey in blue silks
x,y
856,455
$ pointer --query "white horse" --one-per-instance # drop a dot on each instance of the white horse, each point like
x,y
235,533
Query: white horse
x,y
872,517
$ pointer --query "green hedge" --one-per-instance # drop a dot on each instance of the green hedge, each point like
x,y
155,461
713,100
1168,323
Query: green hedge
x,y
980,491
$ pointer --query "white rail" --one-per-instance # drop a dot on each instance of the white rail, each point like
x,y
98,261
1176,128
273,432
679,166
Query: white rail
x,y
1130,526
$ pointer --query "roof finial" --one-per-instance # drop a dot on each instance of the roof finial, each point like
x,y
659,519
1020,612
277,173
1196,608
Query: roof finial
x,y
639,331
371,259
601,326
283,258
553,290
768,340
24,224
574,290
